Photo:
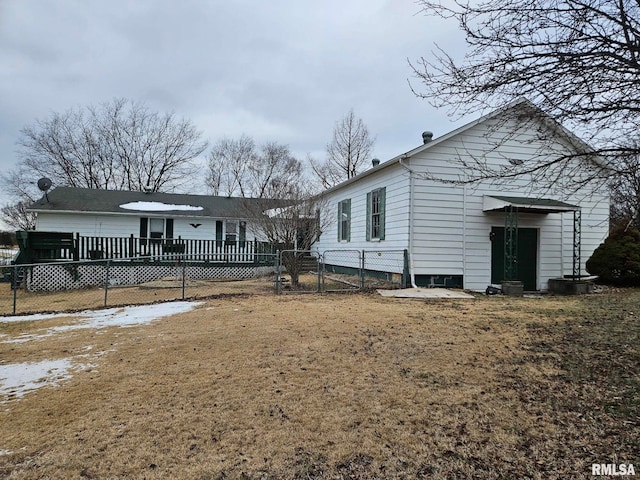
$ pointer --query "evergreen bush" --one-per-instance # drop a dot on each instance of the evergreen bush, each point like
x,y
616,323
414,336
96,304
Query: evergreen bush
x,y
617,260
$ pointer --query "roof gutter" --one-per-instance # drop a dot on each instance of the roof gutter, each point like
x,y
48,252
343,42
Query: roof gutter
x,y
412,274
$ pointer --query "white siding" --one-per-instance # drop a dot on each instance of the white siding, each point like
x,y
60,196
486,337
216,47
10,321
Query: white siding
x,y
396,181
91,225
450,230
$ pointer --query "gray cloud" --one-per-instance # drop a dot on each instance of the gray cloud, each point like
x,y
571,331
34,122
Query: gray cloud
x,y
279,70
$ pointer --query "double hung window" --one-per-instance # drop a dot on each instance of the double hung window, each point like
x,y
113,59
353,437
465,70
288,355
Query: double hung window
x,y
344,220
376,206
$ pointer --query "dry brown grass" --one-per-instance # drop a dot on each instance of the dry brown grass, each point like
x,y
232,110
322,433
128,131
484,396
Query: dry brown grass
x,y
332,386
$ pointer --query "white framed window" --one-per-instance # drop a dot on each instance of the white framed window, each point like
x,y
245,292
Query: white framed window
x,y
156,227
376,206
231,231
344,220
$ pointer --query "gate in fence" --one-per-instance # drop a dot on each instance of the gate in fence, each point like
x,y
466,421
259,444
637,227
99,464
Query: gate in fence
x,y
298,271
341,270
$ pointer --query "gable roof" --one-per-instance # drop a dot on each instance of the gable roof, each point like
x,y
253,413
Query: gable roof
x,y
94,201
521,104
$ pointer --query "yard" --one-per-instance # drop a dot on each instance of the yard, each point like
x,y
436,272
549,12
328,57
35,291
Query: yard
x,y
347,386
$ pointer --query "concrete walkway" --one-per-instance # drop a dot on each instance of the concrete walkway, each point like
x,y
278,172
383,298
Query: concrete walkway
x,y
424,293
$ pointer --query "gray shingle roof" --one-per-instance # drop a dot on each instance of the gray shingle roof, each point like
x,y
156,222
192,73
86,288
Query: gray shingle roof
x,y
87,200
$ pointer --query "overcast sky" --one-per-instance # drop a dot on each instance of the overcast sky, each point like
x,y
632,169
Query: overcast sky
x,y
282,70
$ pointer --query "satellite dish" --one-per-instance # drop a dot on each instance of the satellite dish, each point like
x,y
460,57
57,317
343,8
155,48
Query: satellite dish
x,y
44,184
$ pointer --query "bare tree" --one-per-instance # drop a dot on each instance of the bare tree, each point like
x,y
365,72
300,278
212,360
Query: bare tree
x,y
292,224
229,161
625,195
119,145
578,60
347,154
17,217
240,168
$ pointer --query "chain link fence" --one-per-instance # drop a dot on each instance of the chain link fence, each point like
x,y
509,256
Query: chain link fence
x,y
341,270
298,271
68,286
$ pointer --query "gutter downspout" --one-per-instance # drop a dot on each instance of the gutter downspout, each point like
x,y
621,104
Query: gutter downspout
x,y
412,274
464,235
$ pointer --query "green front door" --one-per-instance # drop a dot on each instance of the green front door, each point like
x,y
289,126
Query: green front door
x,y
527,256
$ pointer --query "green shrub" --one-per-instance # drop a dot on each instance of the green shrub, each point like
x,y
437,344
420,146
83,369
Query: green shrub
x,y
617,260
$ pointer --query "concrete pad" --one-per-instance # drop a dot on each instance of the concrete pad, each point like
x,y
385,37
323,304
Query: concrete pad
x,y
424,293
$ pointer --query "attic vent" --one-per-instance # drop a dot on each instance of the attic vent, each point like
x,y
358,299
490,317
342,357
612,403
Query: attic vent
x,y
427,137
375,162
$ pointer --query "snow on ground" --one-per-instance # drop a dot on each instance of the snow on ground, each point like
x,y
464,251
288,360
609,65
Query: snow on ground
x,y
19,378
157,207
119,316
36,316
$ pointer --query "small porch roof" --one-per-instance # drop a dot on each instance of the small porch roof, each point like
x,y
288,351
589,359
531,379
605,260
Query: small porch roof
x,y
498,203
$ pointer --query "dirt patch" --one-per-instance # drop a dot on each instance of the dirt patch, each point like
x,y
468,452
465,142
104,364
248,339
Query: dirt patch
x,y
336,386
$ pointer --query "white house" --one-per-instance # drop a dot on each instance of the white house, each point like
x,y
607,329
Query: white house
x,y
460,232
203,223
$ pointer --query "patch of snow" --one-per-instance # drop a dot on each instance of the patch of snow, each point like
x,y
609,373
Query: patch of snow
x,y
34,317
113,317
24,338
157,207
160,309
130,316
19,378
276,212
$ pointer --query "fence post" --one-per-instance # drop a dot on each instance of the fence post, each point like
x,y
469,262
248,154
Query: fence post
x,y
362,265
405,270
14,284
77,247
278,273
320,273
184,273
106,281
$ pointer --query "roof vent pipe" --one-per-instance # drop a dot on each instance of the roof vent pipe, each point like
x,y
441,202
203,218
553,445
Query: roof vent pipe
x,y
375,162
427,137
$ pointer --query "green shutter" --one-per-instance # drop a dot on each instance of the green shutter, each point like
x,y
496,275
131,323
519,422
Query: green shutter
x,y
339,221
368,216
242,231
169,227
144,222
218,230
144,230
383,201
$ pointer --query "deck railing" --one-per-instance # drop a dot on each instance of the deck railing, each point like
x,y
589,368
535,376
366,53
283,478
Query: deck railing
x,y
225,251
